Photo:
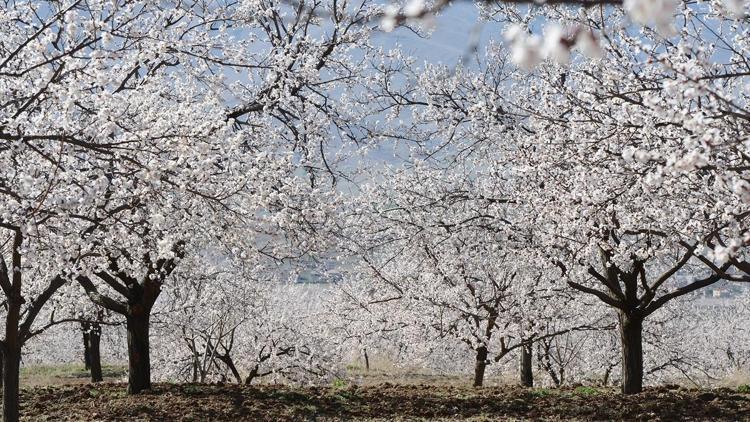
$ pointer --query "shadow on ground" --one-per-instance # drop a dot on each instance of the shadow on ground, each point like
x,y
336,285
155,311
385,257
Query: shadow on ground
x,y
196,402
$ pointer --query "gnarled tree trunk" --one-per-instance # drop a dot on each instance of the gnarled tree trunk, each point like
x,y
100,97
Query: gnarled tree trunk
x,y
480,366
139,361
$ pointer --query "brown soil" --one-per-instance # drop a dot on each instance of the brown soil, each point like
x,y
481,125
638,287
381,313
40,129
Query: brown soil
x,y
192,402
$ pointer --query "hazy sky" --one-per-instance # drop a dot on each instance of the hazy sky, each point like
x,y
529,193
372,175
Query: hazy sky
x,y
452,38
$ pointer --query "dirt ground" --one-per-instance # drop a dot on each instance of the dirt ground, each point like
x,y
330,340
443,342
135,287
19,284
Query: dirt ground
x,y
194,402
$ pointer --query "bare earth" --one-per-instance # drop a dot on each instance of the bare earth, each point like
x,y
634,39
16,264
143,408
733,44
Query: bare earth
x,y
196,402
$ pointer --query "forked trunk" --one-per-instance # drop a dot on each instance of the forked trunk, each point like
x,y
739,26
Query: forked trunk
x,y
480,366
631,337
139,364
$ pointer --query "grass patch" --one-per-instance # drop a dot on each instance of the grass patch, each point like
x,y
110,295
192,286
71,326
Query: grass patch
x,y
744,389
339,383
70,370
587,391
541,392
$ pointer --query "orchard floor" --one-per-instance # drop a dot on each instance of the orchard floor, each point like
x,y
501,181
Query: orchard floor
x,y
383,402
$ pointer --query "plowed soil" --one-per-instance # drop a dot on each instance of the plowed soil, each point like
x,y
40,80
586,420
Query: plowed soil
x,y
195,402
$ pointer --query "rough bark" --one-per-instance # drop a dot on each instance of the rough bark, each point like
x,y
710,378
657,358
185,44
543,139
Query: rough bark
x,y
94,353
480,366
235,372
631,337
11,373
196,366
252,375
11,362
229,362
139,364
605,380
527,374
86,340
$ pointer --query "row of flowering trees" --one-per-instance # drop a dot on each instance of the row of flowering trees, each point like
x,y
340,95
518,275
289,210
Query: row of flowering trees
x,y
136,135
614,171
166,164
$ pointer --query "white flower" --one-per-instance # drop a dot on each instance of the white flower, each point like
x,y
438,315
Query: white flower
x,y
736,8
513,33
526,50
741,188
641,156
660,13
157,220
692,160
106,38
388,23
414,8
654,179
527,54
27,182
628,153
554,45
588,45
722,254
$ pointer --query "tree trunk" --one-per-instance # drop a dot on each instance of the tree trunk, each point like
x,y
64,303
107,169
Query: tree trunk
x,y
562,375
527,374
631,330
139,364
86,341
2,359
480,366
196,364
11,362
229,362
605,381
11,373
367,360
94,353
251,376
545,362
